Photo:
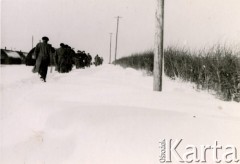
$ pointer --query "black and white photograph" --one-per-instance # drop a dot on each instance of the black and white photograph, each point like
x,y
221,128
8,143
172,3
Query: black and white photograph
x,y
120,81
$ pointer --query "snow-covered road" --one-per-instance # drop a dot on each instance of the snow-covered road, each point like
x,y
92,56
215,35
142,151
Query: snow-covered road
x,y
105,115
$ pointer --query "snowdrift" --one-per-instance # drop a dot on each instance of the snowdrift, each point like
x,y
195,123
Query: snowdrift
x,y
105,114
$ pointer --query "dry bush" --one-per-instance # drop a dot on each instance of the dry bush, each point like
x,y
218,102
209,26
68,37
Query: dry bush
x,y
216,69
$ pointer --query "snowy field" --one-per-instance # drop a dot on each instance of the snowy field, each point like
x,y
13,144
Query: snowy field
x,y
105,115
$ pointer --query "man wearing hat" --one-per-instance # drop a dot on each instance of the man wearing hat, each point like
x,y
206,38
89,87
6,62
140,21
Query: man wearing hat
x,y
42,53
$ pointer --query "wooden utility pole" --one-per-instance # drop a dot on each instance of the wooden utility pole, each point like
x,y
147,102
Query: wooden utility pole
x,y
32,42
118,17
110,48
158,47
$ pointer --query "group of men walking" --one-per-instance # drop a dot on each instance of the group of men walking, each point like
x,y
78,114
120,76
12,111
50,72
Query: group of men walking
x,y
63,58
98,60
82,59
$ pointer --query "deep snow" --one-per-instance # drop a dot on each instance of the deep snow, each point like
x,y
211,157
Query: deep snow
x,y
105,115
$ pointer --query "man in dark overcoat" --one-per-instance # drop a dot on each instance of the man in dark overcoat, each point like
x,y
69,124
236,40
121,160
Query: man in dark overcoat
x,y
42,53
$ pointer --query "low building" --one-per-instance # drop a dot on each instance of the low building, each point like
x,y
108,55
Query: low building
x,y
12,57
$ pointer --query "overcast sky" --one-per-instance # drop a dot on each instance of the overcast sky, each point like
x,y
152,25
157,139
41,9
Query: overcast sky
x,y
86,24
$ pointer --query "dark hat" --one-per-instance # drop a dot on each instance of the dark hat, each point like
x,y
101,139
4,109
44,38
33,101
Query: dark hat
x,y
45,38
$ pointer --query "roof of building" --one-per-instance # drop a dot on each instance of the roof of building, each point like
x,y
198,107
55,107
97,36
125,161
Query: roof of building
x,y
10,53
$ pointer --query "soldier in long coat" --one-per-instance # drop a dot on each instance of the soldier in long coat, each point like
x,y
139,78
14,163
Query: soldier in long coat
x,y
42,53
60,57
69,58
